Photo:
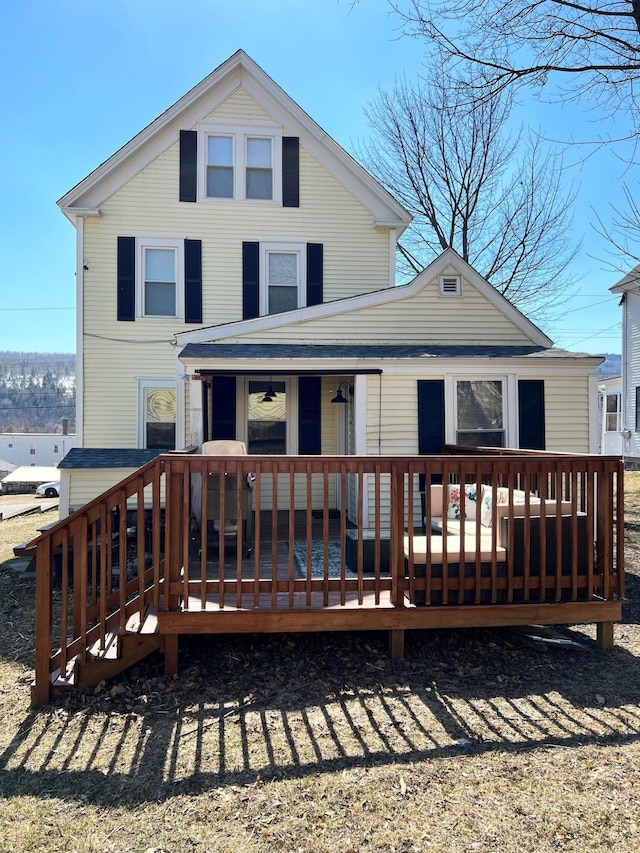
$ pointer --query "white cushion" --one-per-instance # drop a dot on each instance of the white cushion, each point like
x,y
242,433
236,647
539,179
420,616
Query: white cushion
x,y
470,500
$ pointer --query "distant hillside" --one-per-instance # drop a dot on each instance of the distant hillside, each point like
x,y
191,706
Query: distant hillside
x,y
37,390
611,366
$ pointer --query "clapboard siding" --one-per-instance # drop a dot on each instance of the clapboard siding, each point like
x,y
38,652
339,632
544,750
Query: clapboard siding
x,y
424,317
567,413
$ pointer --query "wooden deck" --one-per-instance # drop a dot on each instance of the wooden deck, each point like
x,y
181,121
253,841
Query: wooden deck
x,y
144,563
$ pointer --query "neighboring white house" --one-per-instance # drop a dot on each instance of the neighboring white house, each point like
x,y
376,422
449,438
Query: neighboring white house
x,y
612,440
232,249
35,448
629,290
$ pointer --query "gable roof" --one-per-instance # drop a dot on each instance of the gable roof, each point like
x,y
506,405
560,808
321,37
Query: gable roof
x,y
379,297
631,281
239,70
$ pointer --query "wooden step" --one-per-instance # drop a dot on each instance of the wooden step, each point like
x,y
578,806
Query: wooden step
x,y
70,676
148,624
111,650
133,648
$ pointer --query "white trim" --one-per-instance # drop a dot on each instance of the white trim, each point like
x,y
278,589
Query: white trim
x,y
180,385
177,245
393,248
378,297
74,214
291,400
153,382
360,434
291,247
593,414
445,283
201,100
79,337
509,404
239,134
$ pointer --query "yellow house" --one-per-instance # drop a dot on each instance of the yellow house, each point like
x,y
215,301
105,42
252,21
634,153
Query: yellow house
x,y
236,280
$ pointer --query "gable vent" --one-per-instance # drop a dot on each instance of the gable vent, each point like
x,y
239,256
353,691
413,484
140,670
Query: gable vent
x,y
450,285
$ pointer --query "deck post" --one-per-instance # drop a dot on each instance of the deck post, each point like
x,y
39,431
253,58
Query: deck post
x,y
396,643
40,693
171,654
604,635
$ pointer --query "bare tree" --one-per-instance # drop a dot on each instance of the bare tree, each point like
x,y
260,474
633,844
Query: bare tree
x,y
474,185
594,46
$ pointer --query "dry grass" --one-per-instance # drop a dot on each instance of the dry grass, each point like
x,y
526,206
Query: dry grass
x,y
478,741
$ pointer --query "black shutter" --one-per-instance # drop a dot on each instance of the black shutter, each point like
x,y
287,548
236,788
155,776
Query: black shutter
x,y
126,278
290,171
430,416
250,287
531,414
193,281
315,262
430,426
224,407
309,415
188,164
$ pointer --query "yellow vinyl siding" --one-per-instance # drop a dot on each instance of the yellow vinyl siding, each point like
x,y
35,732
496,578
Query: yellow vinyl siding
x,y
566,401
238,107
424,317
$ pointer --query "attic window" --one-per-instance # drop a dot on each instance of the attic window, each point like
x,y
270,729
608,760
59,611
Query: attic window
x,y
450,285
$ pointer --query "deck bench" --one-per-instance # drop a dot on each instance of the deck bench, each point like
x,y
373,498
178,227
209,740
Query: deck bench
x,y
488,551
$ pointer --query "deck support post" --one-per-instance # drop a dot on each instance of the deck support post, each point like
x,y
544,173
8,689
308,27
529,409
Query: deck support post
x,y
604,635
171,654
41,691
396,643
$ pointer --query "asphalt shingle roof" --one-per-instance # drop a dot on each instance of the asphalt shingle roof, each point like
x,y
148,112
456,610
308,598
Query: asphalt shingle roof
x,y
366,351
107,457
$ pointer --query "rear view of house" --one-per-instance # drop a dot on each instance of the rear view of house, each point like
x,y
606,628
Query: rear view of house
x,y
232,247
237,292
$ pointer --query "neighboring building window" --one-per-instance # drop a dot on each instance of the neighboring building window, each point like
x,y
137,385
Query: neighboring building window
x,y
55,448
240,162
160,291
480,414
32,450
266,419
157,418
282,273
613,414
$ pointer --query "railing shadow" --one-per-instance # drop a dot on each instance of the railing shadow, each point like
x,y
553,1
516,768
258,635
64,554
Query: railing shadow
x,y
251,708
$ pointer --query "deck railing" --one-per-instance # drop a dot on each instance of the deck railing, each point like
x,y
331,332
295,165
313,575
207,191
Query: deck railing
x,y
192,534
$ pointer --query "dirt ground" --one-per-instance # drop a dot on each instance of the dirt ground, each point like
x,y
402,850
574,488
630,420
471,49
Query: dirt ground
x,y
477,741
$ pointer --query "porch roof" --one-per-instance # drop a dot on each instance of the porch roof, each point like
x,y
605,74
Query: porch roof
x,y
108,457
205,351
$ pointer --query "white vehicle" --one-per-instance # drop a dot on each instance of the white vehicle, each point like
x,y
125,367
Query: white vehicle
x,y
48,490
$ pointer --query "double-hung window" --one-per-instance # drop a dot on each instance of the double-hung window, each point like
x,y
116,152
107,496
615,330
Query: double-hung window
x,y
240,162
613,413
480,412
160,278
220,166
282,276
157,414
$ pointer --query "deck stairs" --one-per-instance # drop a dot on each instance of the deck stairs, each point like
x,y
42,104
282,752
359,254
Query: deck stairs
x,y
115,653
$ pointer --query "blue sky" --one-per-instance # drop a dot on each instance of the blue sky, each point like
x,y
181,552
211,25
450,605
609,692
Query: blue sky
x,y
79,78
